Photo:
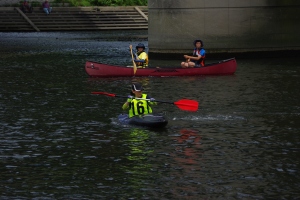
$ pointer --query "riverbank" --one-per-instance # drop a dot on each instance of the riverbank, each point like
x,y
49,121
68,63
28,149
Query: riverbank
x,y
74,19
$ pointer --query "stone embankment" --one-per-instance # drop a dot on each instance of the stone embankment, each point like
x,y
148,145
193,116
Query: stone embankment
x,y
74,19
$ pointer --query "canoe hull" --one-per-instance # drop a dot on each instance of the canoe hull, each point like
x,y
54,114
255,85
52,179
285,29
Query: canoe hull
x,y
150,121
224,67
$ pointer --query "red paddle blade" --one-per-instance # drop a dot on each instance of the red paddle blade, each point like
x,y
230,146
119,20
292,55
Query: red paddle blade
x,y
187,104
104,93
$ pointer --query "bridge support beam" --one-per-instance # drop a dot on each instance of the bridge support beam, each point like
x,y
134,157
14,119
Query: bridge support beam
x,y
225,26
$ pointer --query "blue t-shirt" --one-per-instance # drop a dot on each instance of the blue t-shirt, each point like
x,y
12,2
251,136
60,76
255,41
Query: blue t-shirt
x,y
199,52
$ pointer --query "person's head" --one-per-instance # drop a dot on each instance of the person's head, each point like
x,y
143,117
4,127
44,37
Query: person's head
x,y
198,43
140,47
137,89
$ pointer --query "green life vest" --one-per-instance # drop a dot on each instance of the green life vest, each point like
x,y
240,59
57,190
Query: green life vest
x,y
139,107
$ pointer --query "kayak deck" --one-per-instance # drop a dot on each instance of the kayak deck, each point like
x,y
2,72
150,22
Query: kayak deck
x,y
150,120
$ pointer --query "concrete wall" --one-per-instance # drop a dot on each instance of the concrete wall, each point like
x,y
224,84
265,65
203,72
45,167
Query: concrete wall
x,y
223,25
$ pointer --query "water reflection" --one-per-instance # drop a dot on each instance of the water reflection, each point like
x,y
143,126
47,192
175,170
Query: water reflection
x,y
136,144
187,148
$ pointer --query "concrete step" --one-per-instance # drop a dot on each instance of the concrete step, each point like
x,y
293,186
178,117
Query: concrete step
x,y
44,22
70,18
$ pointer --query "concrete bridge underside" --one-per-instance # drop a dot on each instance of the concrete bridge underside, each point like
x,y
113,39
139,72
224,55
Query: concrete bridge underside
x,y
225,26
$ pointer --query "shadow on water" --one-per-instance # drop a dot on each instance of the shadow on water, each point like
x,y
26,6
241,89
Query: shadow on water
x,y
57,141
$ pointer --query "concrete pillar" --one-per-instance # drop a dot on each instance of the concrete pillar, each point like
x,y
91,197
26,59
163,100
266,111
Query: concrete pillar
x,y
223,25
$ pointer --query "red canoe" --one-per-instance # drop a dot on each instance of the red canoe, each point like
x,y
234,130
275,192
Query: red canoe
x,y
224,67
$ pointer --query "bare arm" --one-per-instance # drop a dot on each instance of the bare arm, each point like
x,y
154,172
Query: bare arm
x,y
192,57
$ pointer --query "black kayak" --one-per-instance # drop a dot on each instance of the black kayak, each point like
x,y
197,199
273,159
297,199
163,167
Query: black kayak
x,y
150,120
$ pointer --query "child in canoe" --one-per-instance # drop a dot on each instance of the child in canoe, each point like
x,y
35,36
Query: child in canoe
x,y
141,57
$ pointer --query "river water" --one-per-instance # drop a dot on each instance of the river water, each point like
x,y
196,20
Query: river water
x,y
57,141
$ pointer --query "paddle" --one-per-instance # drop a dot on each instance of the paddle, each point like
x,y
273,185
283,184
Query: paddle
x,y
134,64
183,104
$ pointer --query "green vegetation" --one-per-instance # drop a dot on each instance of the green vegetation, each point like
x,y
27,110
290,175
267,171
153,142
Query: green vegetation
x,y
33,3
104,2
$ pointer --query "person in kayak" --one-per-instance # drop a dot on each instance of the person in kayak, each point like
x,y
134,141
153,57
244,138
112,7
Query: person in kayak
x,y
141,57
198,57
138,106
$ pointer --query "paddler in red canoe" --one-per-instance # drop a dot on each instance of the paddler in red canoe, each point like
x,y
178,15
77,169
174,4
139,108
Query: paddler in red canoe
x,y
141,57
198,57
